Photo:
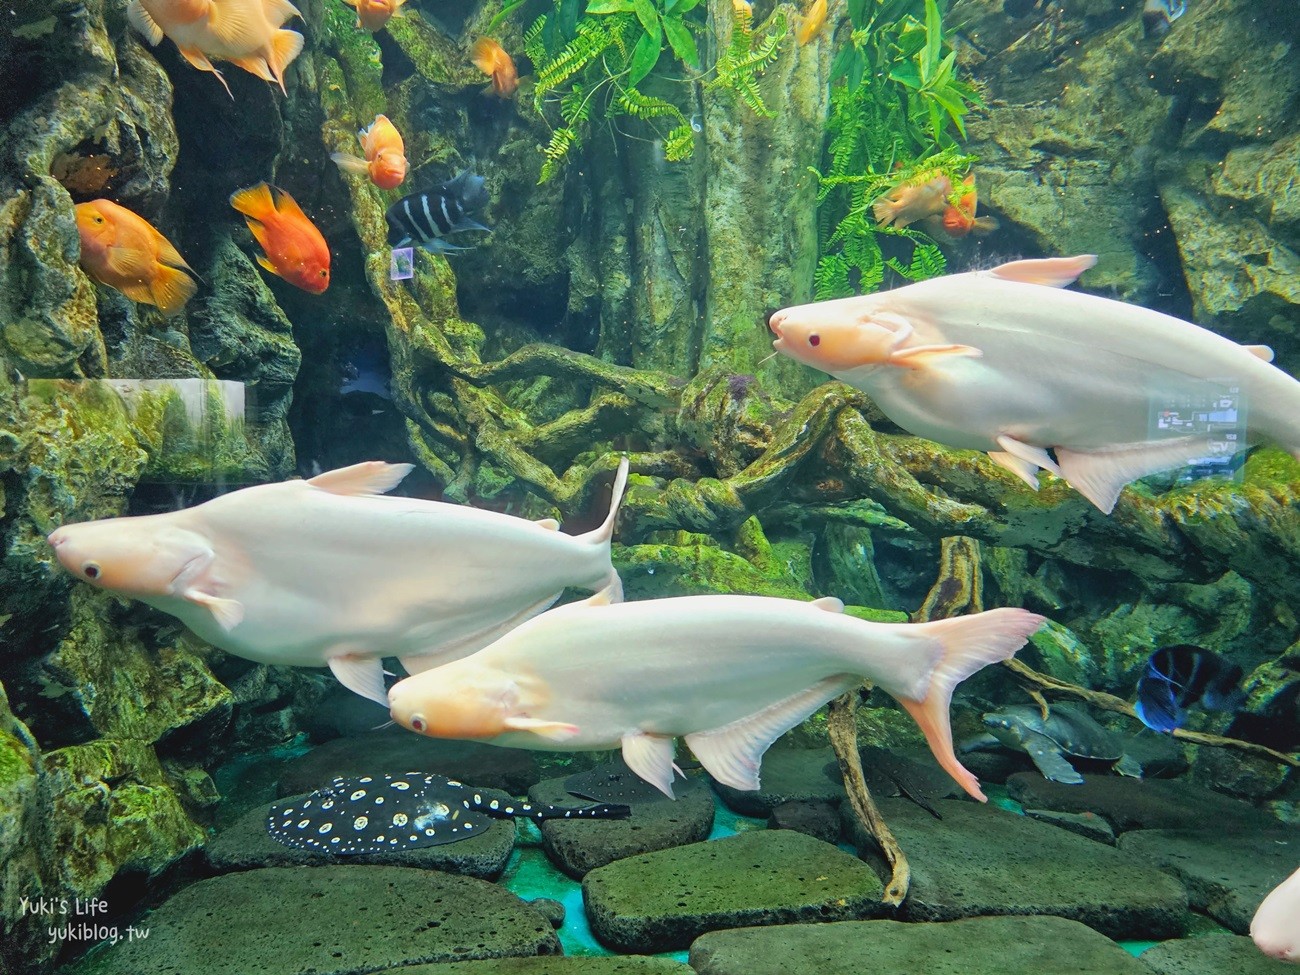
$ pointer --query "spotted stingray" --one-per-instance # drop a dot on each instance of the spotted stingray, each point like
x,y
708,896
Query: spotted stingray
x,y
378,813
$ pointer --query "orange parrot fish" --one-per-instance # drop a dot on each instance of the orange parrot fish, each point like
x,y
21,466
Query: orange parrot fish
x,y
295,249
813,21
959,219
909,202
491,58
373,15
123,250
385,161
244,32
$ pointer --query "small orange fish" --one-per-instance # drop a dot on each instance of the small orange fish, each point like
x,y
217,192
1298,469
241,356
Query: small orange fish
x,y
491,58
244,32
295,249
909,202
385,161
813,21
959,219
123,250
374,15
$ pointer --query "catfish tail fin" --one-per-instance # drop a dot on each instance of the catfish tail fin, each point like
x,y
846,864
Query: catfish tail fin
x,y
968,644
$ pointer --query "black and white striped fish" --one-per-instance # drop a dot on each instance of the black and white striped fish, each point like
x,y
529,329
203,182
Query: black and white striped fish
x,y
378,813
425,219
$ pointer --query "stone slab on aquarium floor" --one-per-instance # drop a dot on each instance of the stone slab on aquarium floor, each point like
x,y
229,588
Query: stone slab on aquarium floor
x,y
1227,875
396,750
984,861
1215,954
1128,803
577,846
663,901
246,845
559,965
788,774
328,921
983,945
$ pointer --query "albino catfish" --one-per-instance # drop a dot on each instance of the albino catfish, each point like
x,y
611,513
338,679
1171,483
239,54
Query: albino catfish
x,y
1009,362
1275,927
730,674
328,572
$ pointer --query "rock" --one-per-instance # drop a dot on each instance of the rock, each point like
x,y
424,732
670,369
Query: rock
x,y
25,869
550,909
1005,945
286,920
1213,955
789,774
579,846
396,750
1226,873
246,845
630,965
663,901
820,820
1138,803
1088,825
1252,777
982,861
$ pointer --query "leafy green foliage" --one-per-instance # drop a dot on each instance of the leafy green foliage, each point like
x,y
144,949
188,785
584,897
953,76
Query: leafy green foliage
x,y
895,106
590,56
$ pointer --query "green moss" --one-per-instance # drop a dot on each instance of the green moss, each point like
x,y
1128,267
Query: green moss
x,y
16,761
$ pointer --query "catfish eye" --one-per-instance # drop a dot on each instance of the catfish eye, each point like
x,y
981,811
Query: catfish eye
x,y
814,340
417,723
90,570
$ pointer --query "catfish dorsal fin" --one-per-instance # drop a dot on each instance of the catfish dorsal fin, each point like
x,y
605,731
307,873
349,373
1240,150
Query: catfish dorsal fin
x,y
368,477
1054,272
1260,352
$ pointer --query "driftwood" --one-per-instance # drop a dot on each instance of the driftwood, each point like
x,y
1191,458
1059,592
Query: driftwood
x,y
843,730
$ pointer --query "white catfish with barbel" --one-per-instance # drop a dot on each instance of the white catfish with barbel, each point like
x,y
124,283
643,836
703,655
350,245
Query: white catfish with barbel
x,y
1009,362
329,572
730,674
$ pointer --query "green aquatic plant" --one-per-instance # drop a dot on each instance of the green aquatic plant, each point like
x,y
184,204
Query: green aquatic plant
x,y
896,109
590,61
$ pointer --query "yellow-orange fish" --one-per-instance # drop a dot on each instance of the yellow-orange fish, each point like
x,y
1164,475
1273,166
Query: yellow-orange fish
x,y
491,58
244,32
814,19
374,15
123,250
909,202
295,249
958,219
385,161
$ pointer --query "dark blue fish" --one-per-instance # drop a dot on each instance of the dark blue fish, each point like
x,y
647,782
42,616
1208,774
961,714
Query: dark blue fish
x,y
378,813
1178,677
424,219
1157,15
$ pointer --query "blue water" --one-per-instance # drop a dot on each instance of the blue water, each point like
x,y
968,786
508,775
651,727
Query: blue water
x,y
529,874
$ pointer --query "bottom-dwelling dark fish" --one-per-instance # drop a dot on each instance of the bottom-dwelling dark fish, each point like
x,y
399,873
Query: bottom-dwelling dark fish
x,y
425,219
377,813
1181,676
611,782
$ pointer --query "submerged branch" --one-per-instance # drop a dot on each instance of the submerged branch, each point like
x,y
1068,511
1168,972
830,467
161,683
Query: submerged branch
x,y
844,738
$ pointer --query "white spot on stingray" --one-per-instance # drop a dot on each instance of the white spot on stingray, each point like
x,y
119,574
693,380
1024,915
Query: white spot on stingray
x,y
359,794
325,828
327,804
304,823
365,778
334,839
494,804
360,823
402,786
401,819
414,837
427,832
379,800
379,839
